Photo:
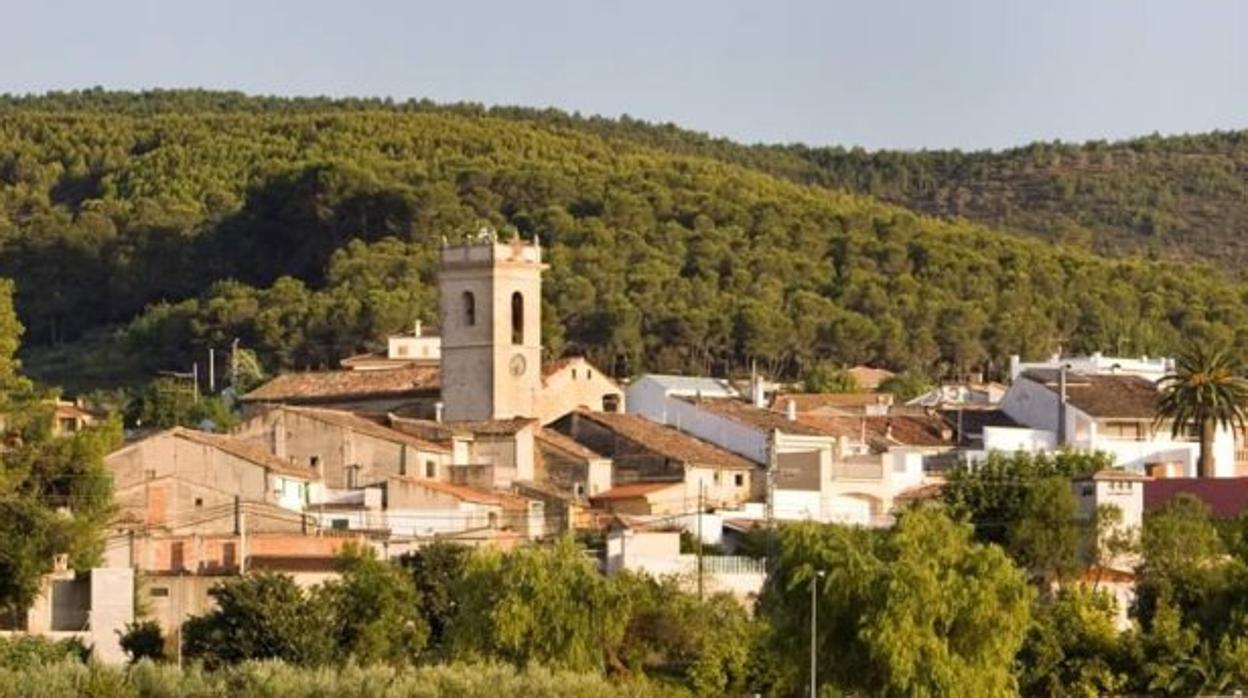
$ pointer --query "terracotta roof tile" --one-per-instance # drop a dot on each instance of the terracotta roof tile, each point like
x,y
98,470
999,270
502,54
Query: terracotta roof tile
x,y
1112,397
338,385
882,433
364,425
667,441
567,445
241,449
750,415
809,402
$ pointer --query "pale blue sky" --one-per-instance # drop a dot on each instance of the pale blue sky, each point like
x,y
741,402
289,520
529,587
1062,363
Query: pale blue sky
x,y
879,74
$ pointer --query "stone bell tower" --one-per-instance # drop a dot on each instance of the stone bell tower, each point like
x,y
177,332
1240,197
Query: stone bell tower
x,y
491,308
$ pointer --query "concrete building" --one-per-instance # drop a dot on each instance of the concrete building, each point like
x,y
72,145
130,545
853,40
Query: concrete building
x,y
92,606
571,466
344,449
573,383
650,394
818,473
643,451
181,477
656,552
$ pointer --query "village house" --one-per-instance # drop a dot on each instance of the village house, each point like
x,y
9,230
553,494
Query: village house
x,y
573,383
1113,413
818,474
644,451
345,449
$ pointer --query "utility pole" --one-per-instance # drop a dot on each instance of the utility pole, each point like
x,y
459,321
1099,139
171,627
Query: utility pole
x,y
195,380
701,489
814,632
212,371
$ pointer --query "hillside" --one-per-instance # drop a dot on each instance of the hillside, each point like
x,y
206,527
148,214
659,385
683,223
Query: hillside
x,y
669,251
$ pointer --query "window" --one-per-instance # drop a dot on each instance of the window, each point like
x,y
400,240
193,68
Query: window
x,y
589,374
1122,430
610,402
574,374
69,424
199,502
431,469
517,318
314,462
159,592
739,479
339,524
470,308
402,350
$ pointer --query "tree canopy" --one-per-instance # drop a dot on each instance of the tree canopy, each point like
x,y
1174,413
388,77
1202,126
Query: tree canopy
x,y
307,229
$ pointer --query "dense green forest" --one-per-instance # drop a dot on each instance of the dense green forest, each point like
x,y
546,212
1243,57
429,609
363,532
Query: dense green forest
x,y
142,229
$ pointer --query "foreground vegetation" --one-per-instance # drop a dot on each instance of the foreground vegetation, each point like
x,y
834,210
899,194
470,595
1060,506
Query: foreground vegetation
x,y
308,230
279,680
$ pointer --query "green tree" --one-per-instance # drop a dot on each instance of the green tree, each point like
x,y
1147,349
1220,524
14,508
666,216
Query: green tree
x,y
824,377
1045,537
907,385
544,605
993,493
438,572
260,616
1205,391
1074,648
921,609
375,610
169,402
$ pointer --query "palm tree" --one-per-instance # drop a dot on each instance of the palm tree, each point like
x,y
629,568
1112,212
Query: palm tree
x,y
1204,392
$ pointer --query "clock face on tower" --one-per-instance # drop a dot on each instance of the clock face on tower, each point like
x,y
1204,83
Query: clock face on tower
x,y
517,364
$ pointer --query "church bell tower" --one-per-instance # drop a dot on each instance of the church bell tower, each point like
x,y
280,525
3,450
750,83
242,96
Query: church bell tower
x,y
491,305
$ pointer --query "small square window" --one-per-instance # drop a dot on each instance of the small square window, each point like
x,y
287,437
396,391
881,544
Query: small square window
x,y
739,478
339,524
199,502
159,592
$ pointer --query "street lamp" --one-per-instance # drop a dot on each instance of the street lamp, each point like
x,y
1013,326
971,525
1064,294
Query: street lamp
x,y
814,620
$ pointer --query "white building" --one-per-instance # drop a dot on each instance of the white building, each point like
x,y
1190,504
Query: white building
x,y
1114,414
816,473
1153,368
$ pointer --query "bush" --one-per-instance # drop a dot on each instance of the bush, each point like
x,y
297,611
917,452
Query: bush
x,y
22,651
143,640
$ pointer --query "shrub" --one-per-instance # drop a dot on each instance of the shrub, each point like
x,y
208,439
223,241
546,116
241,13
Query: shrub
x,y
143,640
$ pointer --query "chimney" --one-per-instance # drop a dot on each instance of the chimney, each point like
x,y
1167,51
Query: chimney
x,y
437,411
790,410
1015,366
756,387
416,329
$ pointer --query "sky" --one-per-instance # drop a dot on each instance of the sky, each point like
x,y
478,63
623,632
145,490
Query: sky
x,y
871,73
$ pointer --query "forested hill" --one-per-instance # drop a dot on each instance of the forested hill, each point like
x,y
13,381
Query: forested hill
x,y
668,251
1180,197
